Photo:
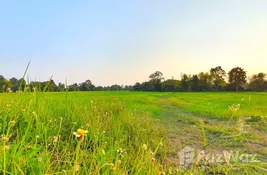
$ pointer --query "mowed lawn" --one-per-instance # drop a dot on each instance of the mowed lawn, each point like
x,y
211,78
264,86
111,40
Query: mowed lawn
x,y
128,132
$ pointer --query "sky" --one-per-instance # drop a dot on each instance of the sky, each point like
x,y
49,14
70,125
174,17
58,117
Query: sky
x,y
123,42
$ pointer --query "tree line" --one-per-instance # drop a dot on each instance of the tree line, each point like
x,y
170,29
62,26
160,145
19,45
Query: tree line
x,y
214,80
15,85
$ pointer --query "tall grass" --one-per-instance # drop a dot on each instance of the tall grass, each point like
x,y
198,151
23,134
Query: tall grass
x,y
37,137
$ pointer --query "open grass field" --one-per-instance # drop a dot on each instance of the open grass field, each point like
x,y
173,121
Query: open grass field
x,y
131,132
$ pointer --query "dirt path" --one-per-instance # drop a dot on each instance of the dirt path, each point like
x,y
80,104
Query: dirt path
x,y
185,129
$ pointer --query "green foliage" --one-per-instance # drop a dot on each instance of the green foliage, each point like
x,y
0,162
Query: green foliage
x,y
237,77
171,85
155,81
218,75
194,83
258,82
205,81
86,86
185,82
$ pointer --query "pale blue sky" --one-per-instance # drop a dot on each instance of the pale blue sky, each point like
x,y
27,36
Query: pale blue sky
x,y
124,41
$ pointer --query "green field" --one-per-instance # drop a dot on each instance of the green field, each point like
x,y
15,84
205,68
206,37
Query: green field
x,y
130,132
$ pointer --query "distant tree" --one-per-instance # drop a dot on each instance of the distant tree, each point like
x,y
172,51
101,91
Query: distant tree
x,y
128,88
2,77
258,82
15,84
2,83
61,87
218,75
116,87
171,85
205,81
194,83
137,87
237,77
155,80
107,88
87,86
185,82
52,87
73,87
99,88
147,86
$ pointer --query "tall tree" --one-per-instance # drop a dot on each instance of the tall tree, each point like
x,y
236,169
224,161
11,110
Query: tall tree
x,y
171,85
73,87
61,87
137,87
185,82
205,81
218,75
146,86
52,87
87,86
15,84
155,80
258,82
237,77
194,83
2,83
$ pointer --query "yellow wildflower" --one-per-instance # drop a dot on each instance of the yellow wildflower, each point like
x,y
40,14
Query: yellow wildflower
x,y
12,123
5,138
80,134
121,151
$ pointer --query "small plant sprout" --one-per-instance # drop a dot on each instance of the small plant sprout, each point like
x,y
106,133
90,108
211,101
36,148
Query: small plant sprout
x,y
80,134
